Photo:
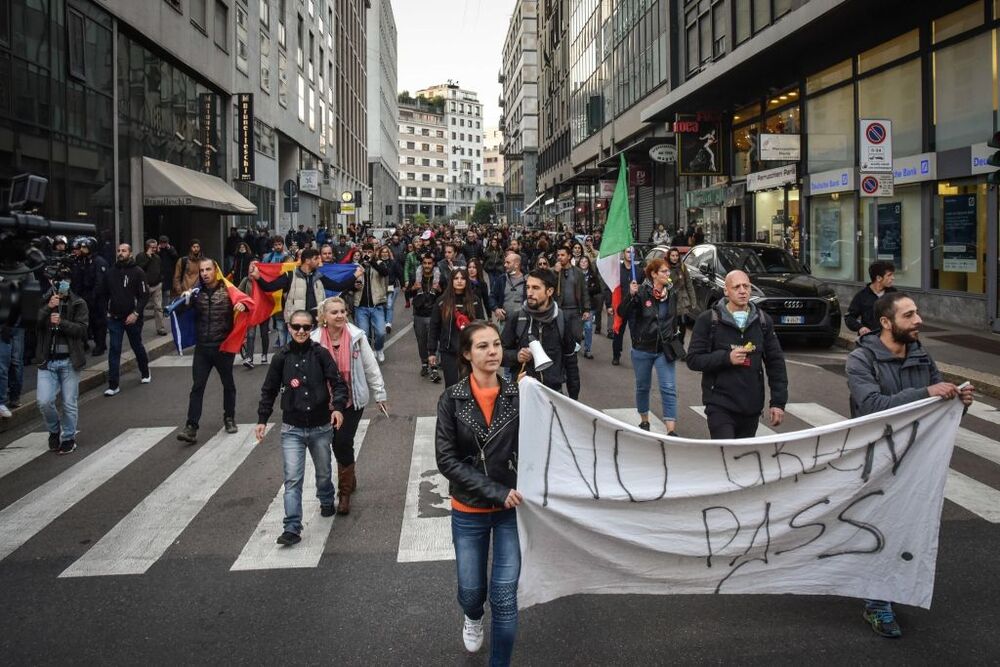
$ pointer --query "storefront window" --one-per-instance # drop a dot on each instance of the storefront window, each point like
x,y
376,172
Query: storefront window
x,y
745,156
830,118
778,219
785,121
958,237
891,231
896,94
830,76
831,237
963,105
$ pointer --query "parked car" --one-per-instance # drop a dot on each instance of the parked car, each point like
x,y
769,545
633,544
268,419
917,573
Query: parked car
x,y
799,304
659,251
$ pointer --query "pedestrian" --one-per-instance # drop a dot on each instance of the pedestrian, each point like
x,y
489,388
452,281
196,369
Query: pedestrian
x,y
888,368
540,319
247,350
493,258
687,298
652,309
860,316
240,266
232,244
62,333
149,262
660,236
88,281
509,288
457,306
11,363
483,408
595,289
731,345
479,281
424,290
186,274
168,264
348,345
304,287
371,296
392,282
124,299
278,255
313,399
626,274
450,261
213,323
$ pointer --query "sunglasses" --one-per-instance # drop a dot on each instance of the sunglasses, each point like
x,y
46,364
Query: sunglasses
x,y
301,327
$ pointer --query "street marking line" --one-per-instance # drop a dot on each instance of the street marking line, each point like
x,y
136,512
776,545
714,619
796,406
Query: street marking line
x,y
22,451
144,535
25,518
399,334
631,417
425,538
262,552
761,429
172,361
964,491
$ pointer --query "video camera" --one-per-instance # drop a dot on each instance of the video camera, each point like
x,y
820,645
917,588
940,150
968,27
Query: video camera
x,y
26,250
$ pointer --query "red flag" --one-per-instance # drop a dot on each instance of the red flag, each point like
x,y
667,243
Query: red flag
x,y
241,320
348,257
265,303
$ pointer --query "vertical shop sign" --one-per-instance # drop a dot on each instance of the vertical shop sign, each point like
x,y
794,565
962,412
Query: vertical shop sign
x,y
207,127
244,137
960,233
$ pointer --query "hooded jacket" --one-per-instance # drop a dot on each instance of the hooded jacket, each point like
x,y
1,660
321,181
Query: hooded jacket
x,y
737,389
125,290
879,380
366,376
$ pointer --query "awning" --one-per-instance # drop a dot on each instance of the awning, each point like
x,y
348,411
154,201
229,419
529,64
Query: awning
x,y
165,184
534,202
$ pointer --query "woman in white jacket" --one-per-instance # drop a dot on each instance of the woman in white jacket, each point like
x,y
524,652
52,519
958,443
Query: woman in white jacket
x,y
350,349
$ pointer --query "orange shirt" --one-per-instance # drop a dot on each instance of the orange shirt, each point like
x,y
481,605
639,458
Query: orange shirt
x,y
486,398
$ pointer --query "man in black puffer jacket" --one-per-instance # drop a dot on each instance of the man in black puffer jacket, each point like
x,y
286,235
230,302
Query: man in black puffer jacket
x,y
123,298
731,345
309,382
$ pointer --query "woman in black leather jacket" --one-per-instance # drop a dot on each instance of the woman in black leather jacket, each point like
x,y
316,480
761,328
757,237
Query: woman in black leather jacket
x,y
476,450
652,310
458,306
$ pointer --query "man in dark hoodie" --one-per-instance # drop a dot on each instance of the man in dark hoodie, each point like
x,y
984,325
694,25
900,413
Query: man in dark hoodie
x,y
731,345
887,369
861,314
124,298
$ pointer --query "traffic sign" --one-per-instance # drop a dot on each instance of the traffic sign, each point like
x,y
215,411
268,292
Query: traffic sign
x,y
290,188
877,185
876,145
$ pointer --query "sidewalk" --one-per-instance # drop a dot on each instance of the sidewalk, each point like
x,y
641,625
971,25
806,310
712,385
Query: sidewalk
x,y
93,376
959,354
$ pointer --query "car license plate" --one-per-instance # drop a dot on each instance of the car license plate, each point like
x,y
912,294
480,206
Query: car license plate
x,y
793,319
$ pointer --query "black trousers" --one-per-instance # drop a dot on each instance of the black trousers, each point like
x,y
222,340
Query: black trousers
x,y
725,425
449,366
205,359
343,437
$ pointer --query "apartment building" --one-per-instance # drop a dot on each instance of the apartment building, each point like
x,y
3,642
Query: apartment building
x,y
382,209
519,122
423,159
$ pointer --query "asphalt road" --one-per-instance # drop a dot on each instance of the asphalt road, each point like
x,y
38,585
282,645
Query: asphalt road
x,y
119,562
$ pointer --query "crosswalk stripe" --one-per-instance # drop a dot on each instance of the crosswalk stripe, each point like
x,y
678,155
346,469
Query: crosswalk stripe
x,y
974,496
263,553
425,538
984,411
631,417
172,361
138,540
21,451
761,429
26,517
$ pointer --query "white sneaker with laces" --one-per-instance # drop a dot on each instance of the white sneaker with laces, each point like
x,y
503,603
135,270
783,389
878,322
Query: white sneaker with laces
x,y
147,379
5,412
112,392
380,356
472,634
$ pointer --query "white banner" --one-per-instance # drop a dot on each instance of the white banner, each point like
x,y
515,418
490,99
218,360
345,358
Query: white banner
x,y
849,509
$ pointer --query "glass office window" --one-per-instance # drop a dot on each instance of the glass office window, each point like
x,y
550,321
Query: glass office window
x,y
886,53
831,123
963,105
968,17
896,94
842,71
832,249
891,230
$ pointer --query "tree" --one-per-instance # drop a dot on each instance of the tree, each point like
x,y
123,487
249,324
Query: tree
x,y
483,212
419,219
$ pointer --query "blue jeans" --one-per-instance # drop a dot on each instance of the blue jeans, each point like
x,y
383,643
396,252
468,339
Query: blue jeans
x,y
294,442
59,376
470,533
117,330
279,326
588,331
643,364
390,301
372,316
12,366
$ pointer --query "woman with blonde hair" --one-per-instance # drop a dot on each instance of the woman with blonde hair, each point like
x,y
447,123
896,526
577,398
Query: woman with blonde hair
x,y
348,345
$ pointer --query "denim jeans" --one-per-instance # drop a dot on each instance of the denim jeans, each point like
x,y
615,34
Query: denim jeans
x,y
59,376
588,332
470,533
372,316
279,326
294,442
643,364
12,366
117,329
390,302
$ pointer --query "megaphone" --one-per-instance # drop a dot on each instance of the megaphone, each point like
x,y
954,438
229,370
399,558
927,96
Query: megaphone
x,y
538,355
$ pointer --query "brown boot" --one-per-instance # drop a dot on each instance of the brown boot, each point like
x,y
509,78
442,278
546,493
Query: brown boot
x,y
346,483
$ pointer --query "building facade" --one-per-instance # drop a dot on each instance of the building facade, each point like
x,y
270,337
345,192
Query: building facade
x,y
423,160
519,122
382,208
493,170
350,72
558,193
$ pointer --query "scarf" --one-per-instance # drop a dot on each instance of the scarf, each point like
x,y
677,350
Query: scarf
x,y
544,316
341,355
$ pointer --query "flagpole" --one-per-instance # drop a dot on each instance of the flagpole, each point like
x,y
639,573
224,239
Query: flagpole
x,y
631,252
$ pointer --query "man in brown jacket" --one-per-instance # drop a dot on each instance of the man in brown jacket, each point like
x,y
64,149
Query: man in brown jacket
x,y
186,271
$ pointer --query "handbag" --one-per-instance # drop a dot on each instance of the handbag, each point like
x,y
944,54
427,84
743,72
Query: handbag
x,y
674,349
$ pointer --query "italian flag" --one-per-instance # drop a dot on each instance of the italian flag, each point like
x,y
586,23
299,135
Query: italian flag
x,y
617,237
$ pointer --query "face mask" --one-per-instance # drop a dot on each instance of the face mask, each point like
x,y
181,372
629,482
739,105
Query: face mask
x,y
63,287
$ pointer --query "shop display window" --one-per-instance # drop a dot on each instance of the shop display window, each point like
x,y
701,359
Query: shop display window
x,y
896,94
832,248
891,230
958,236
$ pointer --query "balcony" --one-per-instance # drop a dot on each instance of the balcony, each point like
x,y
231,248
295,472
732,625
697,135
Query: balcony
x,y
501,78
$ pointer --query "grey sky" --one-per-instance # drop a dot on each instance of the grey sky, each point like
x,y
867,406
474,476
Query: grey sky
x,y
460,40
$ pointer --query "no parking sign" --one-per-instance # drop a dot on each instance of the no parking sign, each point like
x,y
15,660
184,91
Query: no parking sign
x,y
876,145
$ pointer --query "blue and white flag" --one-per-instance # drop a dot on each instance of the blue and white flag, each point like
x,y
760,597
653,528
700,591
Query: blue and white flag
x,y
182,326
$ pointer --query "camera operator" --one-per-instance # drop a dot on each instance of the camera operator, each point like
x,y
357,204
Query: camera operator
x,y
62,327
370,296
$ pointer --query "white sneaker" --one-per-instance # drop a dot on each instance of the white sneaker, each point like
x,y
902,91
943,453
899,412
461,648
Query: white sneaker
x,y
112,392
472,634
380,356
147,379
5,412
